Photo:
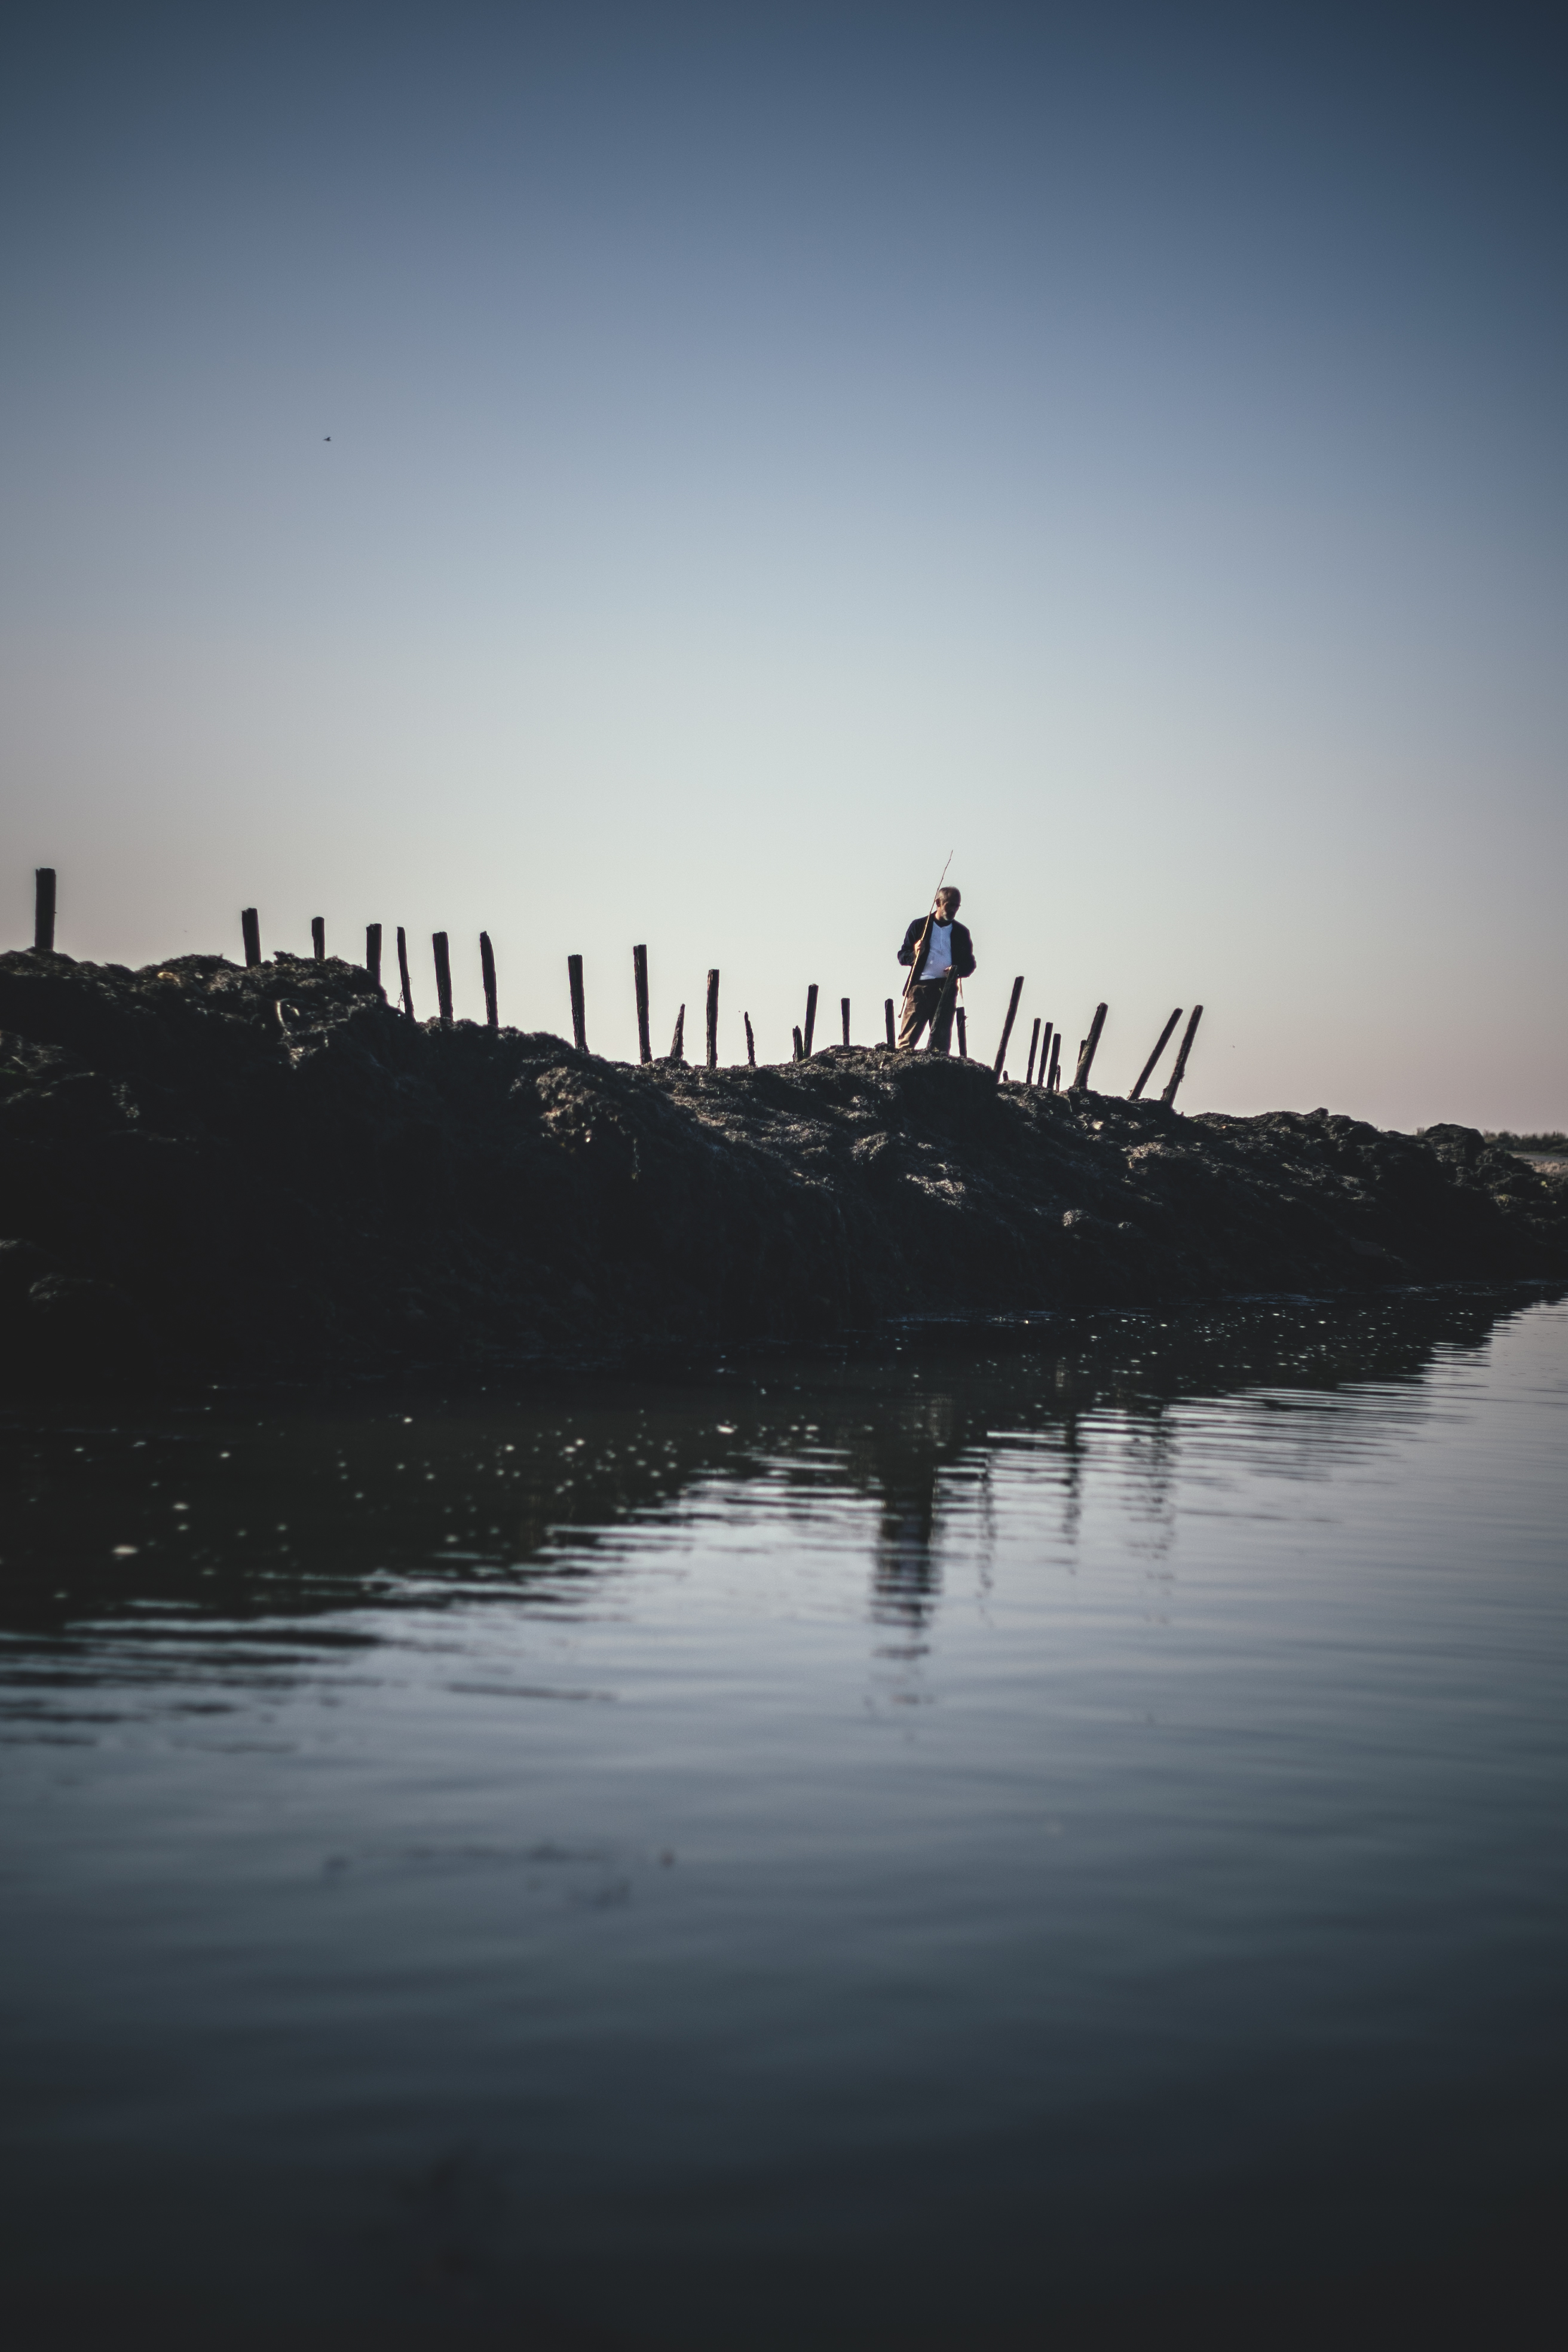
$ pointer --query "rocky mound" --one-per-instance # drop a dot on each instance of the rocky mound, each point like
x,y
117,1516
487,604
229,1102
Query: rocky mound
x,y
272,1171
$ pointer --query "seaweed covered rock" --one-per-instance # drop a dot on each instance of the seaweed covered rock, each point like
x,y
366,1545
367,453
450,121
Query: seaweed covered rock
x,y
270,1170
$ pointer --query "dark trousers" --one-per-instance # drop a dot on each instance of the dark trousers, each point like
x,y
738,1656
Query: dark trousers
x,y
932,1001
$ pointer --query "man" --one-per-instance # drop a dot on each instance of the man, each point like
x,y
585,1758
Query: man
x,y
948,957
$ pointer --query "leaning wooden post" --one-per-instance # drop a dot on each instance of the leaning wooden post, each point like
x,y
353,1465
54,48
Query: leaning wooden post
x,y
799,1048
888,1010
810,1018
402,971
1007,1025
677,1042
43,911
712,1020
442,978
639,982
1033,1041
488,974
373,951
250,932
1145,1074
319,937
579,1013
962,1035
1180,1072
1055,1080
751,1043
1045,1056
1086,1052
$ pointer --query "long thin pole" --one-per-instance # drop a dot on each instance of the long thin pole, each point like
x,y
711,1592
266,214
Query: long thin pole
x,y
442,978
810,1018
712,1020
1033,1041
1045,1056
1086,1052
579,1014
402,971
250,932
1007,1025
43,911
1180,1072
373,951
1143,1075
488,973
639,982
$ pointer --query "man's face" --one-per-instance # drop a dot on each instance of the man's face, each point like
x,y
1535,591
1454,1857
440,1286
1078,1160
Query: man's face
x,y
946,906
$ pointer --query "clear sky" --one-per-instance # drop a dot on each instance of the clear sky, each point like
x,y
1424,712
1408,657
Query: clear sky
x,y
772,445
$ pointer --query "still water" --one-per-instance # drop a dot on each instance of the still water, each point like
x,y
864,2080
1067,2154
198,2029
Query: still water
x,y
983,1839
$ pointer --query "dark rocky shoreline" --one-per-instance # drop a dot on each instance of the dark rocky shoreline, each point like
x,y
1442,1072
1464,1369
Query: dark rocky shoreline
x,y
271,1173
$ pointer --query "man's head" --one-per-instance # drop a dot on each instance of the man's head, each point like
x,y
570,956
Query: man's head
x,y
947,903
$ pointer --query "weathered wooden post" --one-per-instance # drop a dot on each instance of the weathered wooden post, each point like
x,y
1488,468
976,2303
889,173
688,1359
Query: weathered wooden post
x,y
844,1009
799,1048
810,1019
1145,1074
712,1020
1086,1052
751,1043
488,974
1007,1025
251,931
43,911
1045,1054
639,982
887,1011
1056,1077
1180,1072
962,1036
442,978
579,1011
402,971
319,937
677,1042
1033,1041
373,951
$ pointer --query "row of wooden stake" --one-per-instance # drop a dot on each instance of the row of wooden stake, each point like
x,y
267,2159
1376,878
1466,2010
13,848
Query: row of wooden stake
x,y
1045,1061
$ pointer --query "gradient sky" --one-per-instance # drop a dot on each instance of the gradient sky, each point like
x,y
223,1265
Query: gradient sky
x,y
772,446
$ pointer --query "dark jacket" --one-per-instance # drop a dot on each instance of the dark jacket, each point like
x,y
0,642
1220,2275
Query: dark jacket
x,y
962,947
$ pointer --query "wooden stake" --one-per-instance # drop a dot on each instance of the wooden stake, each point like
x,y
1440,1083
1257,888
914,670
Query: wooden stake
x,y
712,1020
1145,1073
1007,1025
810,1019
579,1013
251,931
799,1048
844,1008
319,937
677,1042
639,982
888,1009
1086,1052
373,951
442,978
43,911
1180,1072
1055,1078
488,974
751,1043
402,971
1045,1056
1033,1041
962,1036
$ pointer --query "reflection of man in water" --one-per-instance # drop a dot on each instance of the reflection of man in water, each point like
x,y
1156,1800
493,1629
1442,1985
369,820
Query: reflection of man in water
x,y
948,957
